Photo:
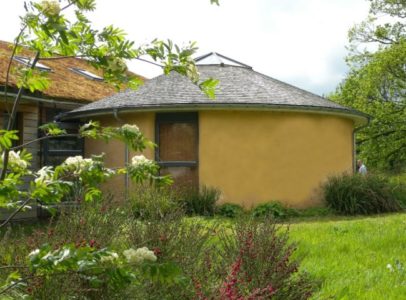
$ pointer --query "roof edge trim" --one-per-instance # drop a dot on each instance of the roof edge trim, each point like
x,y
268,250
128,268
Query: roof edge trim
x,y
359,118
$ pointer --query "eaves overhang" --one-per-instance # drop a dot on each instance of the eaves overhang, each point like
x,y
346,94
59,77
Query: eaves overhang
x,y
359,118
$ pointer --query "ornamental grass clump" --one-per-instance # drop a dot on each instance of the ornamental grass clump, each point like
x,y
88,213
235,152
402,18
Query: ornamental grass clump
x,y
199,201
152,203
360,195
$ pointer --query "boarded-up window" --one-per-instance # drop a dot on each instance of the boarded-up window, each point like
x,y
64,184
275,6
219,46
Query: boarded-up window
x,y
177,152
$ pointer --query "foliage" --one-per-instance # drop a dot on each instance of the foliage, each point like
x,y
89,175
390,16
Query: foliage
x,y
193,257
94,272
79,178
199,201
48,29
229,210
76,256
398,187
149,203
49,32
376,84
358,194
273,209
261,264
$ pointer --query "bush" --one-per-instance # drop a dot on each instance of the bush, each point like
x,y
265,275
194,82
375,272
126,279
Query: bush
x,y
199,201
229,210
358,194
207,254
398,187
153,203
273,209
260,264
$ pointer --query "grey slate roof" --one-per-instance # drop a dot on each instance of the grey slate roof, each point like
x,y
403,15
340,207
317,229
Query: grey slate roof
x,y
238,86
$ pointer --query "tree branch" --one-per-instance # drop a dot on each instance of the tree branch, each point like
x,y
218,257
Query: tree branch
x,y
10,217
45,138
63,57
11,120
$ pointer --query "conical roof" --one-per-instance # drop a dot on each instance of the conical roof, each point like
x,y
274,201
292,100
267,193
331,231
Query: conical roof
x,y
239,87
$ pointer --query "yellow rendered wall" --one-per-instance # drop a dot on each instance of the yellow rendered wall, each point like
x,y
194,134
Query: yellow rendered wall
x,y
255,157
115,150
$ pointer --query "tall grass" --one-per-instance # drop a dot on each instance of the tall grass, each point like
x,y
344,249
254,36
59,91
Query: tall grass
x,y
357,194
354,258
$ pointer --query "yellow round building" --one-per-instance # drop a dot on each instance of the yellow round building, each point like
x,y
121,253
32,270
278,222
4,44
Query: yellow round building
x,y
259,140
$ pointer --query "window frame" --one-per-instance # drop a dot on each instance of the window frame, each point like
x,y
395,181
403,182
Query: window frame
x,y
173,118
27,62
87,74
48,153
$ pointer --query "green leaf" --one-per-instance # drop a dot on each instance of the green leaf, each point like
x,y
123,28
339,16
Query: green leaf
x,y
93,194
209,87
52,129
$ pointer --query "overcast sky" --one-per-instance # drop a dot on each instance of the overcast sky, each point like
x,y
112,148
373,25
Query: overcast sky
x,y
301,42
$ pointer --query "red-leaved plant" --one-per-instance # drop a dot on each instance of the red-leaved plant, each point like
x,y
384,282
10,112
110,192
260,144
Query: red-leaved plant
x,y
260,265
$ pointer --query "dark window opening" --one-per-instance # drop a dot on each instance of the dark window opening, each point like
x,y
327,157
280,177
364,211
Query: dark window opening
x,y
56,150
176,135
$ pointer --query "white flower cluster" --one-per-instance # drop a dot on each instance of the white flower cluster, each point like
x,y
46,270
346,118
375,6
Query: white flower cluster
x,y
109,258
78,162
44,174
15,160
116,64
139,255
140,160
50,8
131,128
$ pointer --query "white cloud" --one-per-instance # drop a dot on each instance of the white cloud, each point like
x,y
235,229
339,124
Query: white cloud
x,y
298,41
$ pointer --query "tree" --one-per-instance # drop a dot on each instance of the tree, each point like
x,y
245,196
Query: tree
x,y
376,83
48,33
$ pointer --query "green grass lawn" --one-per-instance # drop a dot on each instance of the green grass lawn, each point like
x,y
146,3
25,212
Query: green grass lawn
x,y
350,256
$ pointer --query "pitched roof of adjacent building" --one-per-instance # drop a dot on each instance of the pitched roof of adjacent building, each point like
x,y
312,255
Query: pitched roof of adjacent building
x,y
239,87
71,79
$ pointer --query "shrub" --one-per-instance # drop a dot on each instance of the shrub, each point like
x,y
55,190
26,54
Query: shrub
x,y
398,187
260,264
273,209
229,210
199,201
205,253
149,202
357,194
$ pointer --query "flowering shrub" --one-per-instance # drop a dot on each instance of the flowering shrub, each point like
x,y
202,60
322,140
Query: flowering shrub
x,y
80,178
102,269
78,163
